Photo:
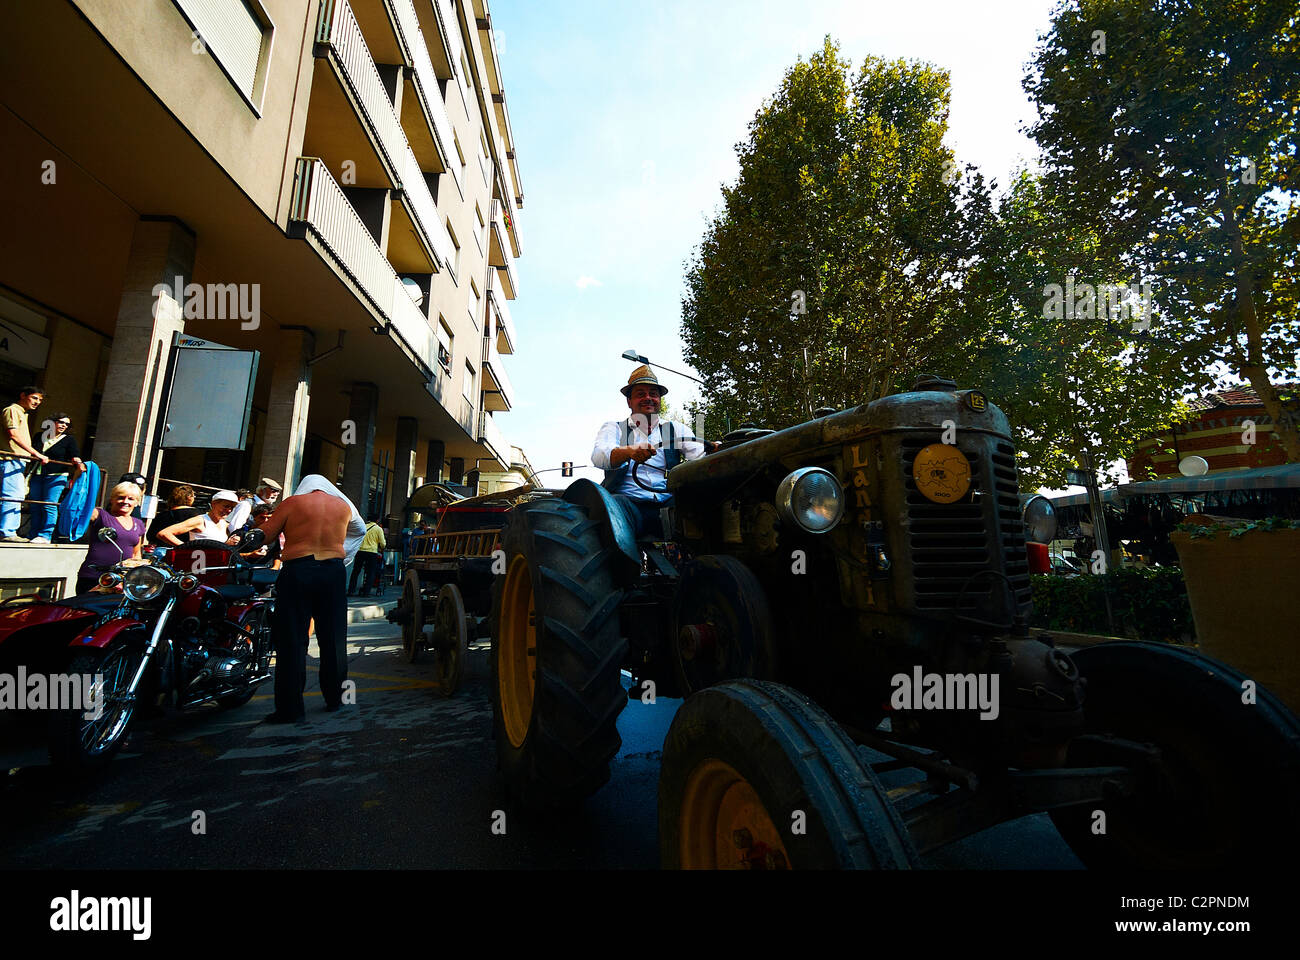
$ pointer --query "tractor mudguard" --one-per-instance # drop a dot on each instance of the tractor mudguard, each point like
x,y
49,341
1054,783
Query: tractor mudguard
x,y
106,634
615,528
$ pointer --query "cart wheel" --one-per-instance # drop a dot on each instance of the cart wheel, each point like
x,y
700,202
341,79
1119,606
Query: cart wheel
x,y
413,626
756,776
450,639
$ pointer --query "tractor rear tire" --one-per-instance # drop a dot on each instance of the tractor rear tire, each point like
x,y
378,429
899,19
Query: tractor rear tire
x,y
756,776
556,655
1228,786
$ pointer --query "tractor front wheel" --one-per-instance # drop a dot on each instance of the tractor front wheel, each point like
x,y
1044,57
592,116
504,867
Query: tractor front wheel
x,y
756,776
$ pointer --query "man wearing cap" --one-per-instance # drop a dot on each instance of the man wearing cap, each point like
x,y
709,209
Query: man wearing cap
x,y
657,445
268,491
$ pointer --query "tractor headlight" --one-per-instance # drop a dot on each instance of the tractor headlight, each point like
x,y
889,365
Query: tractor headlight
x,y
811,498
144,583
1040,519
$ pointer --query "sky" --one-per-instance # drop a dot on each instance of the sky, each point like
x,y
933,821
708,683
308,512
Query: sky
x,y
625,119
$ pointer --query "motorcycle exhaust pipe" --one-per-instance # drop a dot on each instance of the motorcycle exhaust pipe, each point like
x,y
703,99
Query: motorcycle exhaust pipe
x,y
214,696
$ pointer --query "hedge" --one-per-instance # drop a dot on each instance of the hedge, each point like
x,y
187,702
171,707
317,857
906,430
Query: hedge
x,y
1149,604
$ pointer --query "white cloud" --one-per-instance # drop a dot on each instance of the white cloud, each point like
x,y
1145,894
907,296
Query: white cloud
x,y
584,281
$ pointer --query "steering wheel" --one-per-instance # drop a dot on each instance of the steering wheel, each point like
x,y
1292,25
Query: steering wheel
x,y
655,490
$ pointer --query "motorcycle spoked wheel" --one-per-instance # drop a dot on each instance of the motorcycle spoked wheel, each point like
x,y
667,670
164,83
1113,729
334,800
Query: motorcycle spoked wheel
x,y
260,622
81,745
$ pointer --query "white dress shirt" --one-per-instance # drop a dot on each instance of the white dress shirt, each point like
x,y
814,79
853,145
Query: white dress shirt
x,y
652,471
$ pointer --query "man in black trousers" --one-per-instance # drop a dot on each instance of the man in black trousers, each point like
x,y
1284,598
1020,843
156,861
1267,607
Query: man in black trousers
x,y
321,528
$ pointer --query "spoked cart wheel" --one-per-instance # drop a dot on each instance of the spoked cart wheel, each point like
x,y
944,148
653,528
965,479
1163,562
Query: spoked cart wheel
x,y
450,639
413,638
756,776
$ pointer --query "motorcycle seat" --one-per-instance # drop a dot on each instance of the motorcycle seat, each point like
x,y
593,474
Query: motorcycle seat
x,y
235,592
264,577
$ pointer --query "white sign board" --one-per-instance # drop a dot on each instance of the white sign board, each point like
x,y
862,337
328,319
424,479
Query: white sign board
x,y
211,396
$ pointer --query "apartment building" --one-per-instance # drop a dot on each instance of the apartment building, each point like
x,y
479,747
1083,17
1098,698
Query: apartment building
x,y
331,183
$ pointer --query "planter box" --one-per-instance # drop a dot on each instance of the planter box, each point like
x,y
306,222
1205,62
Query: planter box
x,y
1245,598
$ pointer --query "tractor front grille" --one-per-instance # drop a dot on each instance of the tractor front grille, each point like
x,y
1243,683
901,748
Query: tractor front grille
x,y
948,543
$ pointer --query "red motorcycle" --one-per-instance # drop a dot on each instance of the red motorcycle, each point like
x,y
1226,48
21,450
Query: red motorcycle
x,y
191,625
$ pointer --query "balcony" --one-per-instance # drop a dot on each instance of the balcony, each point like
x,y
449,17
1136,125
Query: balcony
x,y
428,92
320,212
339,41
489,434
412,327
437,21
433,239
504,326
500,255
498,394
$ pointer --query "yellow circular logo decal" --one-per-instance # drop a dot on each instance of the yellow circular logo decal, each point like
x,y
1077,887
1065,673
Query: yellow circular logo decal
x,y
942,473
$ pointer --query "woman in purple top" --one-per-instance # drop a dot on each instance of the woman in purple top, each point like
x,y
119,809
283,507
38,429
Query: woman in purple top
x,y
101,556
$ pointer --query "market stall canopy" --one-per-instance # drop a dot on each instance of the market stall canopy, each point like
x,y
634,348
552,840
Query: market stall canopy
x,y
1278,477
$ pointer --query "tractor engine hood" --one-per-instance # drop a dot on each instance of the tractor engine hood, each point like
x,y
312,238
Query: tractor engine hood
x,y
924,409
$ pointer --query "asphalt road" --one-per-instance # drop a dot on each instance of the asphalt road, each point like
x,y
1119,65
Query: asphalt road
x,y
402,779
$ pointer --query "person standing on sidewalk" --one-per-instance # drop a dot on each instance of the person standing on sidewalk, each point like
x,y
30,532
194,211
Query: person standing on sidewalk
x,y
51,479
369,554
322,529
13,487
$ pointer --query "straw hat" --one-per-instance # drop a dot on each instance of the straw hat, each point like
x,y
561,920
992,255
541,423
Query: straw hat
x,y
643,374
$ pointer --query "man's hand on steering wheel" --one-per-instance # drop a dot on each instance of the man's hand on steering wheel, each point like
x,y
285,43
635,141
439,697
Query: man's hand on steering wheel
x,y
640,452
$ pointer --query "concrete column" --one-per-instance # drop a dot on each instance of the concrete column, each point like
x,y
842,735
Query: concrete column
x,y
408,429
161,251
357,456
433,466
285,432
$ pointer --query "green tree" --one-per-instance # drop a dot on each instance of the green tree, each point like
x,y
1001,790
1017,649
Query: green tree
x,y
1060,355
833,272
1172,125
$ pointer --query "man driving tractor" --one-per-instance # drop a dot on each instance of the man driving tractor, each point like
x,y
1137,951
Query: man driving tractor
x,y
657,445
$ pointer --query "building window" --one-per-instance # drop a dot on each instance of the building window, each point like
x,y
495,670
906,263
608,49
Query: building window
x,y
444,344
455,264
237,34
480,228
464,80
467,387
460,156
475,302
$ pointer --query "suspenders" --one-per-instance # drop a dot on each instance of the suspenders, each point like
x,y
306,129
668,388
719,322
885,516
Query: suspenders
x,y
668,444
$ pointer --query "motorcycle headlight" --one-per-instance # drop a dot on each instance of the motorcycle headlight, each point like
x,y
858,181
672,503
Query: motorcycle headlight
x,y
142,584
1040,519
811,498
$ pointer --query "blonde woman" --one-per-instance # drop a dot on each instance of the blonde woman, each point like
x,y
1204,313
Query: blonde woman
x,y
101,556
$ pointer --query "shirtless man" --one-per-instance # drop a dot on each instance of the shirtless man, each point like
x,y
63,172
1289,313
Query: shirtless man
x,y
321,529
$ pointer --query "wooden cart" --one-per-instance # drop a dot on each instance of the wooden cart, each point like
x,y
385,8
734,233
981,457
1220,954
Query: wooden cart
x,y
447,581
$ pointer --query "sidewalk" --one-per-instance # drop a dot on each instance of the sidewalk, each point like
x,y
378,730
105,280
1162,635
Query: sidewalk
x,y
373,607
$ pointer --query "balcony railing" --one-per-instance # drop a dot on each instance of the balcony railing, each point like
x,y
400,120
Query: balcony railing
x,y
337,29
505,326
490,434
426,212
498,393
426,83
320,205
501,256
413,327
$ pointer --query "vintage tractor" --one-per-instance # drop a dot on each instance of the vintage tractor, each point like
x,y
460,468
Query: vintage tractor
x,y
846,601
